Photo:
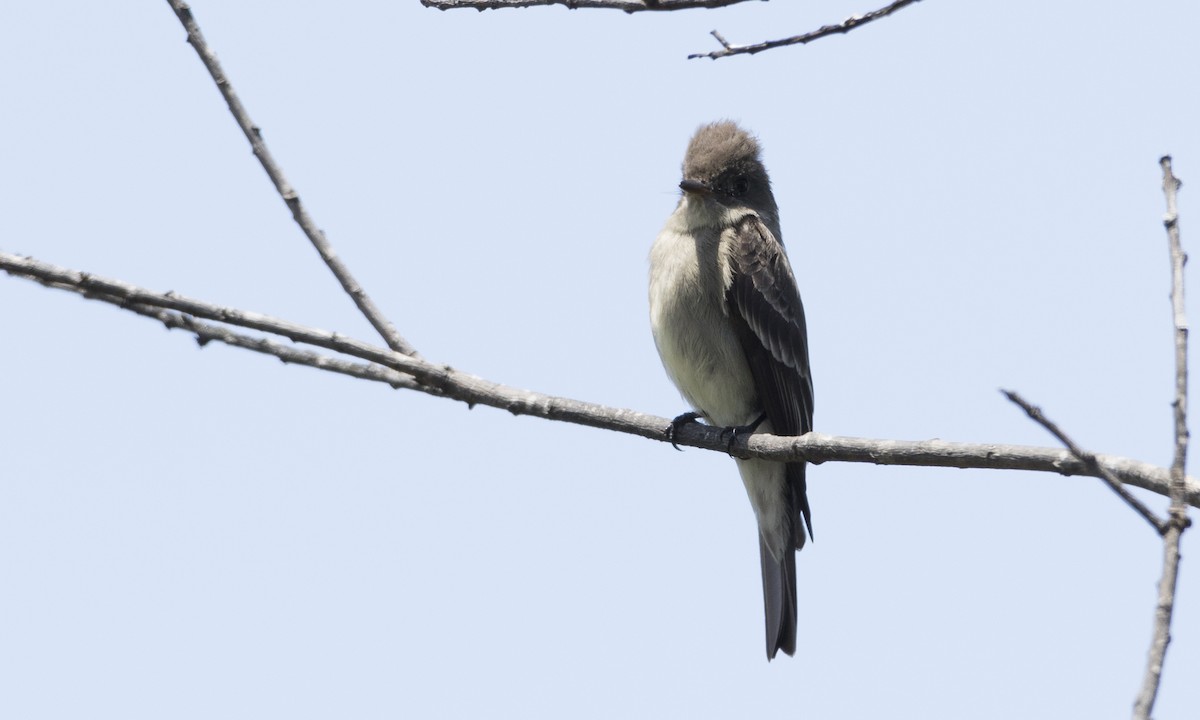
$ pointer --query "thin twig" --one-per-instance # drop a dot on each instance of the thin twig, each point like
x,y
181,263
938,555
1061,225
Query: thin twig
x,y
1177,518
445,381
1089,461
845,26
208,332
629,6
315,235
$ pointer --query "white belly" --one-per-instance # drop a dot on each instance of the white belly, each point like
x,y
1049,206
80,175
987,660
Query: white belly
x,y
705,360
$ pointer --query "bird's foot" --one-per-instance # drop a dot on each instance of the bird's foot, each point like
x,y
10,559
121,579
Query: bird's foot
x,y
734,430
673,428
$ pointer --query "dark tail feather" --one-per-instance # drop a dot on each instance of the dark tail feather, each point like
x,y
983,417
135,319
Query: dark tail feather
x,y
779,599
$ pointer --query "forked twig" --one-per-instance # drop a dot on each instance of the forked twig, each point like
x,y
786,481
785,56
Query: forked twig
x,y
845,26
1089,460
254,134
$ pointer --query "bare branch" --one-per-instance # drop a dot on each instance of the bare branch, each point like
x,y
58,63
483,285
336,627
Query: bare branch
x,y
1171,185
629,6
254,134
445,381
1089,461
1177,519
845,26
208,332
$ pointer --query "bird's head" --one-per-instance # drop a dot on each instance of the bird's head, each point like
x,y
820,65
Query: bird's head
x,y
723,166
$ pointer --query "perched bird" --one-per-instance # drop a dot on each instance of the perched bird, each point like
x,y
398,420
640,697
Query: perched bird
x,y
729,327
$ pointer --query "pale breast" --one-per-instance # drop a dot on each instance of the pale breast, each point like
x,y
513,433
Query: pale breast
x,y
694,336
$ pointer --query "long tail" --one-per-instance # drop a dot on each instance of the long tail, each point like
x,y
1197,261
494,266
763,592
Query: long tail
x,y
779,599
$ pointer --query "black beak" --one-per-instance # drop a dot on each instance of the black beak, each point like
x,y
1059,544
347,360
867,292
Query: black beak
x,y
697,187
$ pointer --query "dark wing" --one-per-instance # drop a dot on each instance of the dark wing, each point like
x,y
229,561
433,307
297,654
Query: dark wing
x,y
764,305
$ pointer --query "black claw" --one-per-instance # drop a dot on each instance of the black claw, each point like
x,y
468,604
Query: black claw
x,y
733,431
729,435
684,419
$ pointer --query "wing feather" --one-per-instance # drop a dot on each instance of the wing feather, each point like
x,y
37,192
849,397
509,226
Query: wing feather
x,y
766,310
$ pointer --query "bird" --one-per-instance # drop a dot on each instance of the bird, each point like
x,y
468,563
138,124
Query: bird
x,y
728,323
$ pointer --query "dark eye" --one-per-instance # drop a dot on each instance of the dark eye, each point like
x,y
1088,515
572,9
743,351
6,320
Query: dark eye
x,y
739,186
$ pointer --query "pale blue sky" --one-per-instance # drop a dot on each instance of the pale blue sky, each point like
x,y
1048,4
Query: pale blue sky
x,y
970,195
